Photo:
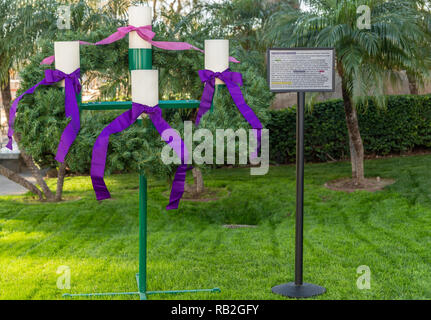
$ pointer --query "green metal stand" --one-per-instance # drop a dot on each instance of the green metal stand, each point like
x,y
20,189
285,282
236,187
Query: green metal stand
x,y
141,277
140,59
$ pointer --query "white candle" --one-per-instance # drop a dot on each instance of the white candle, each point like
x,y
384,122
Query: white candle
x,y
139,16
145,87
66,57
217,56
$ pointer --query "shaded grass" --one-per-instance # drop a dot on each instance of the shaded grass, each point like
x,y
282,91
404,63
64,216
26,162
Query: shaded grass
x,y
389,231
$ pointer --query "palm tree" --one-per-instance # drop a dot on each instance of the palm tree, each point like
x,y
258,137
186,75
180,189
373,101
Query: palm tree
x,y
364,57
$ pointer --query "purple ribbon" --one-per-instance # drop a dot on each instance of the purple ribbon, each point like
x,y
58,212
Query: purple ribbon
x,y
122,122
233,81
72,88
146,33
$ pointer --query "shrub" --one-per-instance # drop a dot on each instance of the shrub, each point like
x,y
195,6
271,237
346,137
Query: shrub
x,y
405,124
41,120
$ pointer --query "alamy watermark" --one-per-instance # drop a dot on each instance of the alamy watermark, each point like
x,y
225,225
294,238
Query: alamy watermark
x,y
63,281
364,280
63,20
364,20
203,153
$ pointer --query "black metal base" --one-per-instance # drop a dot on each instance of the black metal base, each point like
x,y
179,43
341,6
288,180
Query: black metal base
x,y
298,291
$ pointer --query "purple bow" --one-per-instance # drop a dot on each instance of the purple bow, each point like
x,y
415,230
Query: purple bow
x,y
122,122
72,88
233,81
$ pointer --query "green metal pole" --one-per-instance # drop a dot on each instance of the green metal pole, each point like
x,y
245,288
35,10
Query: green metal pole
x,y
142,279
141,59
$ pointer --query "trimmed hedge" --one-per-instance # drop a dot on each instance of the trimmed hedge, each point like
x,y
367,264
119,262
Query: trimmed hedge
x,y
405,124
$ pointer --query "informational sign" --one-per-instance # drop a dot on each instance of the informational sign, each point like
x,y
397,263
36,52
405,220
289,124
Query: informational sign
x,y
301,69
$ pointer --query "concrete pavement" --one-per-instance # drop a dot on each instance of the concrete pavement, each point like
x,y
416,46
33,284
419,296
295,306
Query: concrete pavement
x,y
8,187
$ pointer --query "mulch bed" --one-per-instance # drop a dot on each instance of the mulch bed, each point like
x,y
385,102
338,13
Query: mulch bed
x,y
237,226
370,184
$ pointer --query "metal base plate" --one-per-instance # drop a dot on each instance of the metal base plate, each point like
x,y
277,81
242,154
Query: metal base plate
x,y
142,294
298,291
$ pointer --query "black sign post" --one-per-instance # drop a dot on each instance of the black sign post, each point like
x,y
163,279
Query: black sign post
x,y
300,70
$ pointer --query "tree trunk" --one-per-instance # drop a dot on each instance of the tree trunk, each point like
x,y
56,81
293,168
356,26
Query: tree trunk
x,y
60,181
198,187
199,181
413,86
355,139
154,10
6,96
21,181
7,99
35,172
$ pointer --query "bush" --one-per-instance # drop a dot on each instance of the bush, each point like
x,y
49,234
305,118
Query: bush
x,y
403,126
41,120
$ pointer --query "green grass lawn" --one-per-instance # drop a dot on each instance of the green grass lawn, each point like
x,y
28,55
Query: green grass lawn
x,y
389,231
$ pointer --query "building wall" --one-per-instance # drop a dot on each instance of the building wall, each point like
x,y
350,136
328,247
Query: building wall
x,y
286,100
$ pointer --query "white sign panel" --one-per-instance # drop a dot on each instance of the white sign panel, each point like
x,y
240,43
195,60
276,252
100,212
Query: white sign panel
x,y
301,70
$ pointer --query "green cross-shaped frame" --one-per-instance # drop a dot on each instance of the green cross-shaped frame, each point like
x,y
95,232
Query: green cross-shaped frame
x,y
141,59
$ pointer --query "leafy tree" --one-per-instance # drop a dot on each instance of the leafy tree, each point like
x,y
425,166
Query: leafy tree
x,y
363,57
26,24
41,116
23,22
242,23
